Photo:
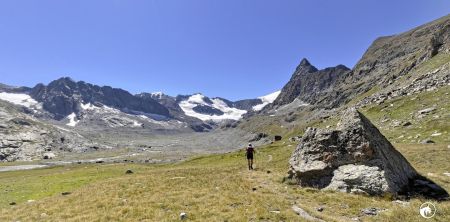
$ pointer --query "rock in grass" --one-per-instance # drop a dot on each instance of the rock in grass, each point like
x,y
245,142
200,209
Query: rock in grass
x,y
407,123
356,158
12,203
427,141
183,216
427,110
372,211
129,172
66,193
302,213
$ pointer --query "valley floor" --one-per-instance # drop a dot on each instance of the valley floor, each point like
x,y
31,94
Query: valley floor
x,y
208,188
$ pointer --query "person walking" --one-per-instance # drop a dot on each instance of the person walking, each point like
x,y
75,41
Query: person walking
x,y
250,151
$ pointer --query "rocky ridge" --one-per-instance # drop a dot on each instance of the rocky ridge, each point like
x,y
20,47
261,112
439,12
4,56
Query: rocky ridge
x,y
386,64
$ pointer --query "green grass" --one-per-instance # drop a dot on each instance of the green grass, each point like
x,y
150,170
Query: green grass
x,y
405,109
21,186
212,188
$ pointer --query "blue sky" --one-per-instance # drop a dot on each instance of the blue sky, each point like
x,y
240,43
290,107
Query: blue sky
x,y
231,48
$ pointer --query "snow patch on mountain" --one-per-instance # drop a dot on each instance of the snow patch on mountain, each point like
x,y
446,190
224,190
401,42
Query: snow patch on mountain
x,y
137,124
20,99
73,121
157,95
266,100
99,109
198,99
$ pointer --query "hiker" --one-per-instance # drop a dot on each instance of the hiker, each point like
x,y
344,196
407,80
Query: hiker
x,y
250,151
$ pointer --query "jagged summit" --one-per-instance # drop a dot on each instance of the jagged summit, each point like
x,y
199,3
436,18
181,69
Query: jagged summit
x,y
304,67
304,62
308,82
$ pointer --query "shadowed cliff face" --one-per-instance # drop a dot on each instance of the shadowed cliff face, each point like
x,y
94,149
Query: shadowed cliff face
x,y
308,83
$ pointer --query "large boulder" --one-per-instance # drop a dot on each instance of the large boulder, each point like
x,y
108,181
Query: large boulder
x,y
355,158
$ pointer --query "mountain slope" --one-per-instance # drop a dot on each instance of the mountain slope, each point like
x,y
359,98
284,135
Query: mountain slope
x,y
385,62
308,83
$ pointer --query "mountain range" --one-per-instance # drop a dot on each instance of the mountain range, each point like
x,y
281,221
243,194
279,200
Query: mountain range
x,y
65,110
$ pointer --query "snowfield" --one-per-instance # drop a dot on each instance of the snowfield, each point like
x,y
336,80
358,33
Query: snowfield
x,y
266,100
73,121
19,99
102,109
198,99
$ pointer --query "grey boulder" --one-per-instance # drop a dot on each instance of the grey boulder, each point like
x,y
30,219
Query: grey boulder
x,y
355,158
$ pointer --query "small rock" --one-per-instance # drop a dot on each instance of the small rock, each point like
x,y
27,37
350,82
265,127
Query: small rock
x,y
31,201
407,123
427,110
372,211
275,211
44,215
302,213
66,193
48,156
436,134
427,141
402,203
320,209
183,216
12,203
129,172
396,123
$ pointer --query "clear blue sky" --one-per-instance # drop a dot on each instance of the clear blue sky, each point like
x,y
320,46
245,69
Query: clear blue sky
x,y
231,48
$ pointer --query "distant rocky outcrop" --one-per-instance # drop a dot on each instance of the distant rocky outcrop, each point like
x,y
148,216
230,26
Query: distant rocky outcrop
x,y
356,158
24,138
308,83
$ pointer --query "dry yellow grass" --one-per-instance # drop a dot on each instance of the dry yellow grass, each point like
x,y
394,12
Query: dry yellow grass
x,y
220,188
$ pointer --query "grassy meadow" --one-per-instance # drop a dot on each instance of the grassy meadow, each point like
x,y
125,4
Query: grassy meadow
x,y
207,188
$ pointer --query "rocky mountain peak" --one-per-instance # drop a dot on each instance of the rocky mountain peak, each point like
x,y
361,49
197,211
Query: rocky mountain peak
x,y
307,83
304,67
